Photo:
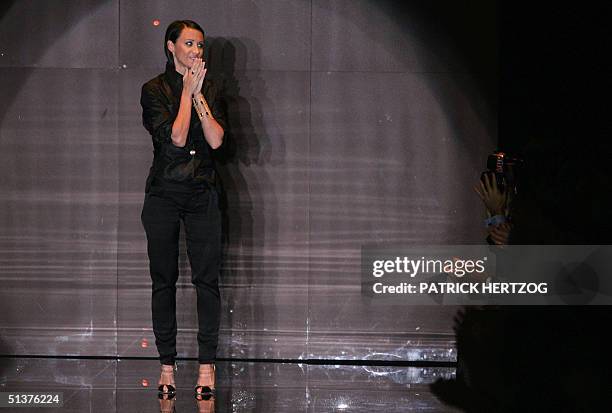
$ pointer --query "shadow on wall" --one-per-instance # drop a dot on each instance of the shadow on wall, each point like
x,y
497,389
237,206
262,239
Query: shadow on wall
x,y
247,192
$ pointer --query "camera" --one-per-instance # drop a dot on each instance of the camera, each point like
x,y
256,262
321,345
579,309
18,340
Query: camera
x,y
505,169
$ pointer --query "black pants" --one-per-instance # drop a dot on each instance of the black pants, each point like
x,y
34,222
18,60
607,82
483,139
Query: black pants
x,y
161,215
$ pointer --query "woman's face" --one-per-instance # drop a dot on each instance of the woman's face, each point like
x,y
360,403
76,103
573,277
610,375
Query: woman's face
x,y
188,47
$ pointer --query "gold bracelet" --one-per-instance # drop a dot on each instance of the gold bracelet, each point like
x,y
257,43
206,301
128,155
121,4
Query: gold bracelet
x,y
205,106
195,105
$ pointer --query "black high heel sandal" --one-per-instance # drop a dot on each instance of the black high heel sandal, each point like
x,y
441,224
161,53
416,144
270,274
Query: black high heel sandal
x,y
205,392
167,389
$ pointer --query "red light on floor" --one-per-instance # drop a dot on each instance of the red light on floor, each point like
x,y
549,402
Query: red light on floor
x,y
144,343
156,22
145,383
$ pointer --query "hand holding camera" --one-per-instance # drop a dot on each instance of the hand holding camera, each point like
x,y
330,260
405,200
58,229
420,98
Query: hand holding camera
x,y
494,198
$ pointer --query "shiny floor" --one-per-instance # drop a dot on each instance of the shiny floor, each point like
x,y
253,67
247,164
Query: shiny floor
x,y
100,385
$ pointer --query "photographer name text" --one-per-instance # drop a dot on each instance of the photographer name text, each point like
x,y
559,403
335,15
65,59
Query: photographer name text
x,y
486,288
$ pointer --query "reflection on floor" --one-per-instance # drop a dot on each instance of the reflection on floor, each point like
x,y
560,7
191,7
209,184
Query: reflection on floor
x,y
100,385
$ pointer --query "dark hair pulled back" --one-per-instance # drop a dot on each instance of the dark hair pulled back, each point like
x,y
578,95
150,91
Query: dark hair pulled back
x,y
173,32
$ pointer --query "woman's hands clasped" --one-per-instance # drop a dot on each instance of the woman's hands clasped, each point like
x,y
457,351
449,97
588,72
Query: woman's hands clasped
x,y
194,77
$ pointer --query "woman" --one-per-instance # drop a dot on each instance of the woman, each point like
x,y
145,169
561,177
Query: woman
x,y
182,187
